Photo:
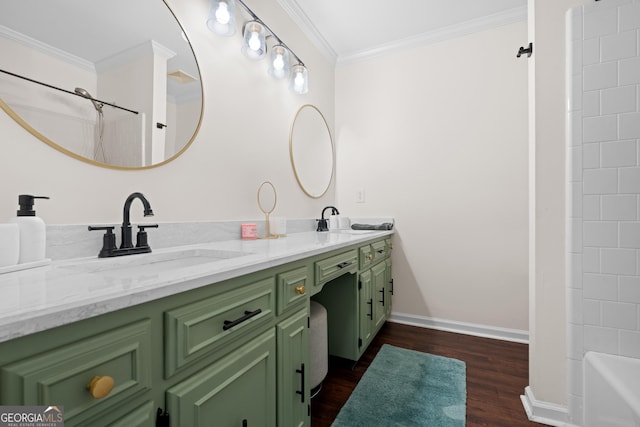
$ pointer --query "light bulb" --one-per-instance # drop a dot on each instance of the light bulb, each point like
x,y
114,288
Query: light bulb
x,y
254,41
222,13
278,63
299,80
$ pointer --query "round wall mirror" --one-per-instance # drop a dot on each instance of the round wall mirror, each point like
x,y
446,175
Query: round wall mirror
x,y
311,151
114,83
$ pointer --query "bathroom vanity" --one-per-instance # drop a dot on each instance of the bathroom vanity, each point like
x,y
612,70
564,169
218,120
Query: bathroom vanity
x,y
212,334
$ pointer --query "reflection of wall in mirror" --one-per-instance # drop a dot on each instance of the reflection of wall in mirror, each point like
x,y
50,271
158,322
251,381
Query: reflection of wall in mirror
x,y
136,77
312,151
71,121
63,115
183,116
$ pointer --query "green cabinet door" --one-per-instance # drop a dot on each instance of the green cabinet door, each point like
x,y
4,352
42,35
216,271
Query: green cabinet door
x,y
61,376
143,416
389,280
366,310
235,391
380,298
294,371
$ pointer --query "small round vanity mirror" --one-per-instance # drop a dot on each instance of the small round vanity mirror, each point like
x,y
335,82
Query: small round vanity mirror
x,y
311,151
267,198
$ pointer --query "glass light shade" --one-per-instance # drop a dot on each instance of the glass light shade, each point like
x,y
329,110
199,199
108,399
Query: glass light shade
x,y
222,17
254,42
279,62
299,82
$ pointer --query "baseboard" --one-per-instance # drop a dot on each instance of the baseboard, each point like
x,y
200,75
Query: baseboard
x,y
504,334
544,412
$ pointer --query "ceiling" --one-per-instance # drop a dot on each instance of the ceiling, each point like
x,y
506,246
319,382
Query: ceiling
x,y
356,28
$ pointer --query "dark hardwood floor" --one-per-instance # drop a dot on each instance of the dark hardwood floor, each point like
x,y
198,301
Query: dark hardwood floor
x,y
497,373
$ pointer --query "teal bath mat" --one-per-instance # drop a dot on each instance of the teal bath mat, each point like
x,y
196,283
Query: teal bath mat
x,y
407,388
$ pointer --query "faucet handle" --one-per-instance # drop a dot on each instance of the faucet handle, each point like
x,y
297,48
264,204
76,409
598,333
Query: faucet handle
x,y
108,240
143,226
141,237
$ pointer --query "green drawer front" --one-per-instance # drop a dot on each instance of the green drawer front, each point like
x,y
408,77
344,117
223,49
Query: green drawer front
x,y
366,256
292,287
379,250
330,268
60,376
196,330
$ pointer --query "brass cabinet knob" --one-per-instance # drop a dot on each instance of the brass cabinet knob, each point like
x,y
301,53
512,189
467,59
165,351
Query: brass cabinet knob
x,y
100,386
300,289
369,256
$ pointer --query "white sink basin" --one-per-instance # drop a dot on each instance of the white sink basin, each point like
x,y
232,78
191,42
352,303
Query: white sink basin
x,y
156,262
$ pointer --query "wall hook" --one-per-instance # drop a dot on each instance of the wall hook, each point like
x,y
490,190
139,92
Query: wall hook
x,y
528,51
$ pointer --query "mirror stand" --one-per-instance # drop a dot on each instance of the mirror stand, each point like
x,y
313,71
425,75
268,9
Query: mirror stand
x,y
267,198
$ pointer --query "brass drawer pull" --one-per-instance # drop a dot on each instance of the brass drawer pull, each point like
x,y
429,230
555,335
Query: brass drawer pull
x,y
100,386
300,289
228,324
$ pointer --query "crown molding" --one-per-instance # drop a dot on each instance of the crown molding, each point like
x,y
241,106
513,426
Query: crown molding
x,y
506,17
32,43
301,19
129,55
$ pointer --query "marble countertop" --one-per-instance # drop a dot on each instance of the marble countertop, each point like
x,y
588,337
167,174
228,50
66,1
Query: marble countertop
x,y
70,290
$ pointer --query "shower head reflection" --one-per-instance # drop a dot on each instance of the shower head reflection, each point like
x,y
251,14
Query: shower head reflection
x,y
83,93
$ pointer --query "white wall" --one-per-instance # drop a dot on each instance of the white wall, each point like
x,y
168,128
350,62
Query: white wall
x,y
547,311
436,136
243,141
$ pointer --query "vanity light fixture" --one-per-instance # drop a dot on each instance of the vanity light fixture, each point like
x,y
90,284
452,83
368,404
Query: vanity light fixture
x,y
222,17
221,21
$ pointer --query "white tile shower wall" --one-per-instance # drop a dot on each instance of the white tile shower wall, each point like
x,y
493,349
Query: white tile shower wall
x,y
603,188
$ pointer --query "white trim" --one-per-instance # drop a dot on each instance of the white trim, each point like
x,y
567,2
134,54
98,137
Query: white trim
x,y
485,331
149,47
32,43
544,412
301,19
509,16
296,13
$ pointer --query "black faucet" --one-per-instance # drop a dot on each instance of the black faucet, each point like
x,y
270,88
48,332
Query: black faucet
x,y
126,221
109,248
322,222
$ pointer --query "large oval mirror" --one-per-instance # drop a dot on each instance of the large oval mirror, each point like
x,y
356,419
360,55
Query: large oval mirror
x,y
311,151
114,83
